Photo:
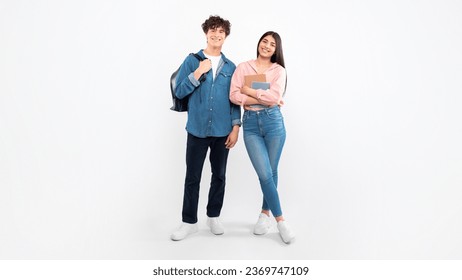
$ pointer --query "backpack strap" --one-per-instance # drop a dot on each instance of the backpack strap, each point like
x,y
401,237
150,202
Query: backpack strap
x,y
200,58
196,55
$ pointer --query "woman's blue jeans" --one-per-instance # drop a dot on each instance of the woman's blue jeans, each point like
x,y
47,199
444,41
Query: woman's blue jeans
x,y
264,137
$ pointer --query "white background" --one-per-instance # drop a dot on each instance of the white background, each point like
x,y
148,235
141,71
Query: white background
x,y
92,159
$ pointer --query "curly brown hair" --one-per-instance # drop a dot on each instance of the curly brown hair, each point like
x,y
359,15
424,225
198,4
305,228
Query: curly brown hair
x,y
216,21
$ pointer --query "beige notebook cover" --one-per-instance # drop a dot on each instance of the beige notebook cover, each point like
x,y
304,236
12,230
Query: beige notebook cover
x,y
248,79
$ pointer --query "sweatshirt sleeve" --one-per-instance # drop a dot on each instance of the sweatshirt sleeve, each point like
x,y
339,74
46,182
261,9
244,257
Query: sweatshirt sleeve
x,y
273,96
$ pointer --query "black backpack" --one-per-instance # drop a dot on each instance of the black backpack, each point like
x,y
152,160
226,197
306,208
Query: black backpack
x,y
180,105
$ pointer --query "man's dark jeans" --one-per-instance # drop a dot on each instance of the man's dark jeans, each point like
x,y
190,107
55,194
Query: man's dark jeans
x,y
196,151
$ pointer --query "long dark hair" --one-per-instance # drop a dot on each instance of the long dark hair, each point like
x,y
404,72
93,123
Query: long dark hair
x,y
278,55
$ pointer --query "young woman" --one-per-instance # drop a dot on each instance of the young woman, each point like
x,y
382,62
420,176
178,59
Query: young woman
x,y
263,124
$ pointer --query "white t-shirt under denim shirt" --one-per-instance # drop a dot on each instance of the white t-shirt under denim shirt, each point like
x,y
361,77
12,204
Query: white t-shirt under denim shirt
x,y
215,61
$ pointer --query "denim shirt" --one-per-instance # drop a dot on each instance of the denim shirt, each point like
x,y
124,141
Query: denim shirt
x,y
210,112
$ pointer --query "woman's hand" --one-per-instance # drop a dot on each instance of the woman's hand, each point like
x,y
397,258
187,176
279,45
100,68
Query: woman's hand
x,y
248,91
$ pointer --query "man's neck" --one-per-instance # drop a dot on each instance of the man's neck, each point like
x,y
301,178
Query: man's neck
x,y
212,51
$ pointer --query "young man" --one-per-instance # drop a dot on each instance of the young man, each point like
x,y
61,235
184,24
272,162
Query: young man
x,y
213,123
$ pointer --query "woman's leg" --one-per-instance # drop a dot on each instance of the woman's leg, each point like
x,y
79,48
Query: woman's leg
x,y
264,140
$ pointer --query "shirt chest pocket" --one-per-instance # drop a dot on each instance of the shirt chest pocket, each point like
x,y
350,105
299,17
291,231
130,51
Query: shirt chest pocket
x,y
224,79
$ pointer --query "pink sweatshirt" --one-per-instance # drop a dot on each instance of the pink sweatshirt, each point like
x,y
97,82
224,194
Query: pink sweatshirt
x,y
275,75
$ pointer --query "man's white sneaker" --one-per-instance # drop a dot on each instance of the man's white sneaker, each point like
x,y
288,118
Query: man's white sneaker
x,y
215,226
285,231
263,224
184,230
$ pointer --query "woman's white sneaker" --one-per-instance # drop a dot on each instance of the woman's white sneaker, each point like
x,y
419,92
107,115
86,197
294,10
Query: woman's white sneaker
x,y
285,231
184,230
263,224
